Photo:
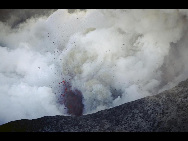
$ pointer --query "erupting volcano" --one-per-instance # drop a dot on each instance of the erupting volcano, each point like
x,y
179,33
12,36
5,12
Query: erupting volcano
x,y
81,62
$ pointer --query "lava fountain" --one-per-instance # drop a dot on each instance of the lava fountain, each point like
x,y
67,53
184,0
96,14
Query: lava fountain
x,y
72,99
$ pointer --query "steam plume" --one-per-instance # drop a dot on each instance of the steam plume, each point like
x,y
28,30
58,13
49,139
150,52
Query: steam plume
x,y
110,56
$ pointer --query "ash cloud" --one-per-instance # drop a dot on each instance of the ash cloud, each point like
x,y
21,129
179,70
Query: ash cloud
x,y
13,17
110,56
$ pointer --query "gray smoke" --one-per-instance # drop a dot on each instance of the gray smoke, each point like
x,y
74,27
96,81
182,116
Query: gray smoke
x,y
110,56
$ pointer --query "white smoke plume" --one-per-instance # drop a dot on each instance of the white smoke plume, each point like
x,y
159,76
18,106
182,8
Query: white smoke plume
x,y
110,56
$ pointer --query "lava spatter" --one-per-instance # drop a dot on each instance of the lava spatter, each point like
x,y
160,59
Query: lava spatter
x,y
72,99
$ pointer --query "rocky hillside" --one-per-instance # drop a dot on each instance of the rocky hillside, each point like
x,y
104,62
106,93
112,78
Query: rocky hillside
x,y
166,112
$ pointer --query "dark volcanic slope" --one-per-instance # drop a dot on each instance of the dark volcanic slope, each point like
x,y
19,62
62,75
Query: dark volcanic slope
x,y
167,111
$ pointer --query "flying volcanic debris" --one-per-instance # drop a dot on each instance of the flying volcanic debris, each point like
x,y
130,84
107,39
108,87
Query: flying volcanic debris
x,y
81,62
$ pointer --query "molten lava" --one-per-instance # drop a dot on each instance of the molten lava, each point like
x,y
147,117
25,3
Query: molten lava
x,y
72,99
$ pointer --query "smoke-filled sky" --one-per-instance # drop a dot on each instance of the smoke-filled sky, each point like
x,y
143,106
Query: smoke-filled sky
x,y
110,56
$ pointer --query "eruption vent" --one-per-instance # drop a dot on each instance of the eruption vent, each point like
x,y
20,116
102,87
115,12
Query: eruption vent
x,y
72,99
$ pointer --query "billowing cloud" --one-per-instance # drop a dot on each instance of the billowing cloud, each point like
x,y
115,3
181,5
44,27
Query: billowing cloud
x,y
110,56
